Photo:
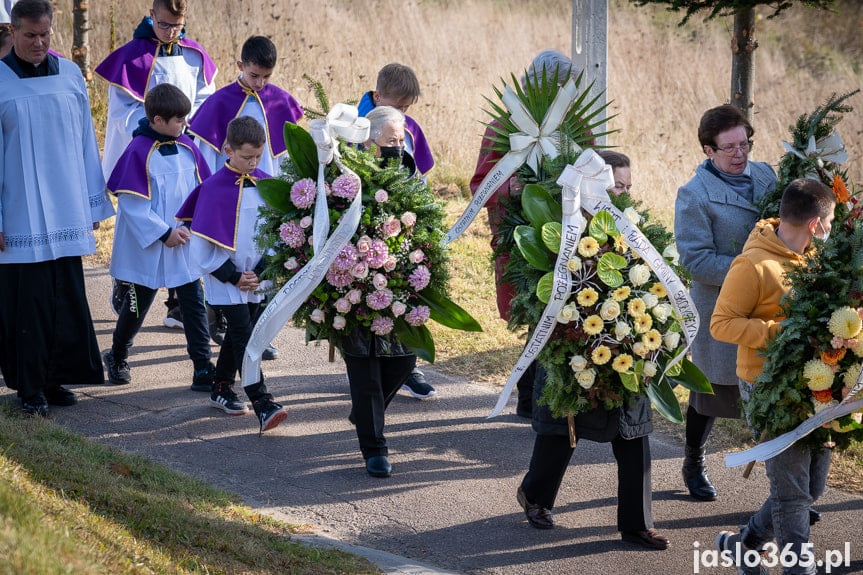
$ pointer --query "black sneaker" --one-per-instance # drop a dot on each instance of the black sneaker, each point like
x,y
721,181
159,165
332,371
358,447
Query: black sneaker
x,y
119,289
270,414
36,406
60,396
203,379
174,317
217,323
118,370
270,353
224,398
416,385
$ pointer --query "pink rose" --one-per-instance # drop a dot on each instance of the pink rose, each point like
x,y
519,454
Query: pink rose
x,y
306,222
837,342
360,270
339,322
317,315
390,264
291,264
354,296
392,227
311,240
364,244
398,308
381,196
343,305
379,281
416,256
409,219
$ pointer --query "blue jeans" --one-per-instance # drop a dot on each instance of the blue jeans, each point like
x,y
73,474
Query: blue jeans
x,y
797,477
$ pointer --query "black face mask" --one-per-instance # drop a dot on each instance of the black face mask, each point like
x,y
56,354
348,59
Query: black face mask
x,y
388,152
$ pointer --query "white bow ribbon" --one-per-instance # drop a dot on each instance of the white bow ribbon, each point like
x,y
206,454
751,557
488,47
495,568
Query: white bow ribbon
x,y
827,149
529,145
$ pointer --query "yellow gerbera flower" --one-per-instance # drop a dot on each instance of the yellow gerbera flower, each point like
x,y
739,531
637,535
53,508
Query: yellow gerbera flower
x,y
588,247
600,355
622,293
620,245
642,323
658,290
845,323
587,297
593,324
652,339
622,363
636,307
819,374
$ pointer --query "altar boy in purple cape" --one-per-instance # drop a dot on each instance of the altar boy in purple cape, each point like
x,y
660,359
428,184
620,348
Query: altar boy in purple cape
x,y
159,53
223,216
251,95
152,179
397,86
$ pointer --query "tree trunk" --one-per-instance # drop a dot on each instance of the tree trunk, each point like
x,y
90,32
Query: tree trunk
x,y
743,47
80,40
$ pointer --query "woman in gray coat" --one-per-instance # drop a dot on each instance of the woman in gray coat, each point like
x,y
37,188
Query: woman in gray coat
x,y
713,215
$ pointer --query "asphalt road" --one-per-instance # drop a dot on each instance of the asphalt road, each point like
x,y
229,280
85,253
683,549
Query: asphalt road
x,y
450,504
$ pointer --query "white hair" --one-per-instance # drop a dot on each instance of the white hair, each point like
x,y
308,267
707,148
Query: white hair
x,y
553,62
379,117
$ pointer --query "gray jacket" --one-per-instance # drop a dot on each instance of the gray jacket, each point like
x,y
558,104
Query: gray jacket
x,y
711,224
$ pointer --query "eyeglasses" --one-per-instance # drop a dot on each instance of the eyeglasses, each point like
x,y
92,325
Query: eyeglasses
x,y
168,26
731,150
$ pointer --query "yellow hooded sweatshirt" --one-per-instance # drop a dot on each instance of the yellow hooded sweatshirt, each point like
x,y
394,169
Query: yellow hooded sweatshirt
x,y
747,311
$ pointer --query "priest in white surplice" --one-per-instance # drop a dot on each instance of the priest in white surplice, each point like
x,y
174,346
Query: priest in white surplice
x,y
52,197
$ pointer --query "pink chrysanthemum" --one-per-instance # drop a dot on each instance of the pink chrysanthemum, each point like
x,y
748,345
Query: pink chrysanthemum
x,y
419,278
346,186
379,299
339,278
303,193
418,315
378,253
346,258
382,325
292,234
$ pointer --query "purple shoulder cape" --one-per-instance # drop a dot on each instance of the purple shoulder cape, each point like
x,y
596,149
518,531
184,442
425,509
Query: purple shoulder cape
x,y
422,153
131,175
213,208
130,65
210,122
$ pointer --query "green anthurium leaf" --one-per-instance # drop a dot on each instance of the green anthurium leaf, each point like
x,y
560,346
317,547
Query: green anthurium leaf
x,y
606,269
629,381
691,377
277,194
639,367
551,233
544,287
539,207
418,339
663,399
601,226
302,150
447,312
529,242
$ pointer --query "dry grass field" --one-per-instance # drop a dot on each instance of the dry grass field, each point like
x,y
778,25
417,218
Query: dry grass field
x,y
661,78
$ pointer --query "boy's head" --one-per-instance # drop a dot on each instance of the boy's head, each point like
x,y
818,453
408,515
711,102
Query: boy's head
x,y
166,107
808,204
397,87
31,29
257,61
169,19
245,143
619,169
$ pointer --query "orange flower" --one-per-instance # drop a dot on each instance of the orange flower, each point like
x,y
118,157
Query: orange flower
x,y
823,396
842,193
832,356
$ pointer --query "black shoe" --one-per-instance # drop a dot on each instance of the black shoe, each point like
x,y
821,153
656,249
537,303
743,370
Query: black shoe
x,y
270,353
217,323
36,406
814,516
537,515
416,385
60,396
648,538
270,414
695,474
379,466
119,289
224,398
203,379
118,370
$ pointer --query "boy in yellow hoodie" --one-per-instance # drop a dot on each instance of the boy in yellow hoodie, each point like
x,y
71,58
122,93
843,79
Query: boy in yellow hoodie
x,y
747,313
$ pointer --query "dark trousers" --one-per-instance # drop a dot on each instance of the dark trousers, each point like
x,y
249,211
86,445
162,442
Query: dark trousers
x,y
551,455
697,427
240,319
374,382
46,332
137,303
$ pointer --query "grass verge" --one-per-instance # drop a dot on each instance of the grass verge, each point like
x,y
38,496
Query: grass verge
x,y
68,505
